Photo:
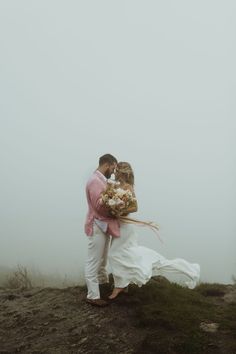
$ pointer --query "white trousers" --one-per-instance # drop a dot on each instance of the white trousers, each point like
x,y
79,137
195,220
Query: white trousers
x,y
95,267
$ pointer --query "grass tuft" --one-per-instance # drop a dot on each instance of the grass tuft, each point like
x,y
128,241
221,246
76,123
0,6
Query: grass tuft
x,y
171,316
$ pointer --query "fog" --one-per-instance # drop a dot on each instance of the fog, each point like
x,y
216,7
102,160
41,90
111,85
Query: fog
x,y
151,82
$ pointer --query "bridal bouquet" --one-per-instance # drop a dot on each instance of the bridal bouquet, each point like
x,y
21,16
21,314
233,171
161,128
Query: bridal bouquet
x,y
117,199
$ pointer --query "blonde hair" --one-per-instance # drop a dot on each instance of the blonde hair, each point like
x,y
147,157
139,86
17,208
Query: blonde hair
x,y
124,173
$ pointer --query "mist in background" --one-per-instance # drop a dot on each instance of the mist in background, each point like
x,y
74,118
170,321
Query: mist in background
x,y
150,82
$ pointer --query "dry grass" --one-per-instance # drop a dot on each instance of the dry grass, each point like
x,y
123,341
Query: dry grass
x,y
20,279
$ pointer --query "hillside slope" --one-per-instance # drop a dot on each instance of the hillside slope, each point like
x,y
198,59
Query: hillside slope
x,y
157,318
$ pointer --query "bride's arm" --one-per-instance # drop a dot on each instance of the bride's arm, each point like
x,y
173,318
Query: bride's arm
x,y
133,208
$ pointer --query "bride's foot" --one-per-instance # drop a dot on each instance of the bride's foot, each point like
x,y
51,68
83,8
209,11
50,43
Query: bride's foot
x,y
116,292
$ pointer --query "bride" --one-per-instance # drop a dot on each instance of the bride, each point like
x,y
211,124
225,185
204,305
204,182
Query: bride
x,y
131,263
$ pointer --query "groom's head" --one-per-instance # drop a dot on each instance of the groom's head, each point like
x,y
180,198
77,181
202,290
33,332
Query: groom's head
x,y
107,165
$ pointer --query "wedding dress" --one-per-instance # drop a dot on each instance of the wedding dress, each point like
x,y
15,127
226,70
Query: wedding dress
x,y
130,263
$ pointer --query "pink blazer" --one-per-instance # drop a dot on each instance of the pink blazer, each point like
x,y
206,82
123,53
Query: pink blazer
x,y
95,186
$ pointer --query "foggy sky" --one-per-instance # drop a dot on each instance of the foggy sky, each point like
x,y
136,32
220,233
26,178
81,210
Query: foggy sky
x,y
151,82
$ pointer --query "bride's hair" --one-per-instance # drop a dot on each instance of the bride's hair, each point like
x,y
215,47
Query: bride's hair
x,y
124,173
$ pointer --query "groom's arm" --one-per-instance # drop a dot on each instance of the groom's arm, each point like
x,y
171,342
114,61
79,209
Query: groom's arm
x,y
95,191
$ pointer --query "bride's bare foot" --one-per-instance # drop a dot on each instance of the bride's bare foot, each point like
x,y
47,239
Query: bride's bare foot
x,y
116,292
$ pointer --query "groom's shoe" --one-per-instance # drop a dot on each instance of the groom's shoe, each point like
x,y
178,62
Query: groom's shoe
x,y
97,302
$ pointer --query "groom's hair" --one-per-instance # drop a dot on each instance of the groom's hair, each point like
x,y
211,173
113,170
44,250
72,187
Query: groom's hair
x,y
107,158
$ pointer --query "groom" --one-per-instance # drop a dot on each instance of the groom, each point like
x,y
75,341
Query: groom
x,y
99,226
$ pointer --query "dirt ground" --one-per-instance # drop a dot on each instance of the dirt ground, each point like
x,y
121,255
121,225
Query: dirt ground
x,y
60,321
51,320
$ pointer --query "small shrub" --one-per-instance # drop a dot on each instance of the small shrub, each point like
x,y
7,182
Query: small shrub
x,y
19,279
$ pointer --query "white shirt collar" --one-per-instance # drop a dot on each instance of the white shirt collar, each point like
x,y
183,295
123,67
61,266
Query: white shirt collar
x,y
100,174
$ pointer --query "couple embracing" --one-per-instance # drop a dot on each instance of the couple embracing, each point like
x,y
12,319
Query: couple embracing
x,y
112,239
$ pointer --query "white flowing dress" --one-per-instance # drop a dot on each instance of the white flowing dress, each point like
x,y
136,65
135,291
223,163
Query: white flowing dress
x,y
133,264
